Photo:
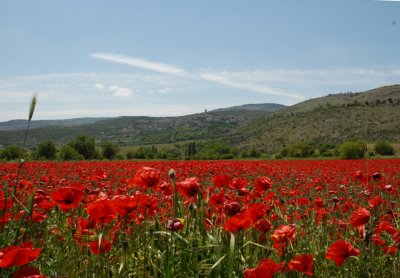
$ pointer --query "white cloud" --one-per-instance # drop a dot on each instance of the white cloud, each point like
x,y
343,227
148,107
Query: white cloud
x,y
396,72
226,79
165,90
99,87
304,83
140,63
123,92
65,95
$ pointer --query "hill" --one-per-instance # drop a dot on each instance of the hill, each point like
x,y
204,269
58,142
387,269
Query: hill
x,y
21,124
253,107
370,116
137,130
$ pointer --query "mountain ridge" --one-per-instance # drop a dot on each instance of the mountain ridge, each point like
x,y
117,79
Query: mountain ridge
x,y
20,124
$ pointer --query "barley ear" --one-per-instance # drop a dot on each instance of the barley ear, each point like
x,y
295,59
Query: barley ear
x,y
32,106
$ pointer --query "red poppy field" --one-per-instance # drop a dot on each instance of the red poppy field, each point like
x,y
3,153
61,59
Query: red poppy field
x,y
201,219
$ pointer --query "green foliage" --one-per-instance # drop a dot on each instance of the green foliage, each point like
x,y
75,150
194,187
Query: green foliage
x,y
69,153
284,152
109,150
384,148
12,153
296,149
45,151
300,149
85,146
191,150
171,153
215,149
326,150
251,153
352,149
144,153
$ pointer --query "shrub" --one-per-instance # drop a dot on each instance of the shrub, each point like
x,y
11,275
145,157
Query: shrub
x,y
384,148
45,150
109,150
85,146
326,150
69,153
300,149
12,153
284,152
130,155
353,149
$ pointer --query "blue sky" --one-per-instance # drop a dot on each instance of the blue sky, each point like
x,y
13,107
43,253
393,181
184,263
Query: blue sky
x,y
160,58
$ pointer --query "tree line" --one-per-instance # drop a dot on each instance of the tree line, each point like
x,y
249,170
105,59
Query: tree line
x,y
84,147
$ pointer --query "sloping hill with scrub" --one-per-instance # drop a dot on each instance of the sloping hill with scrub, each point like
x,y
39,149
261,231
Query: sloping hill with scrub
x,y
371,116
129,131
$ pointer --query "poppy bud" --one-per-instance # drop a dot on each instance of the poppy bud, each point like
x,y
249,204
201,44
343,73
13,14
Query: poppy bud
x,y
171,173
175,224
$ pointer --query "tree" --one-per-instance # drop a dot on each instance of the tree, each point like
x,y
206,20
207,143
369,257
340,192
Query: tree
x,y
109,150
12,153
85,146
46,150
300,149
384,148
69,153
352,149
191,150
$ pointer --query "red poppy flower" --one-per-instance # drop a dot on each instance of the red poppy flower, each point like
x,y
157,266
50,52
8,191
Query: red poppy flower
x,y
319,202
245,219
358,175
302,263
284,233
360,217
221,180
165,188
125,204
101,211
240,221
28,272
148,204
375,201
217,200
4,204
189,188
263,225
263,184
18,255
232,208
266,269
339,251
147,176
238,183
67,197
102,247
376,176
